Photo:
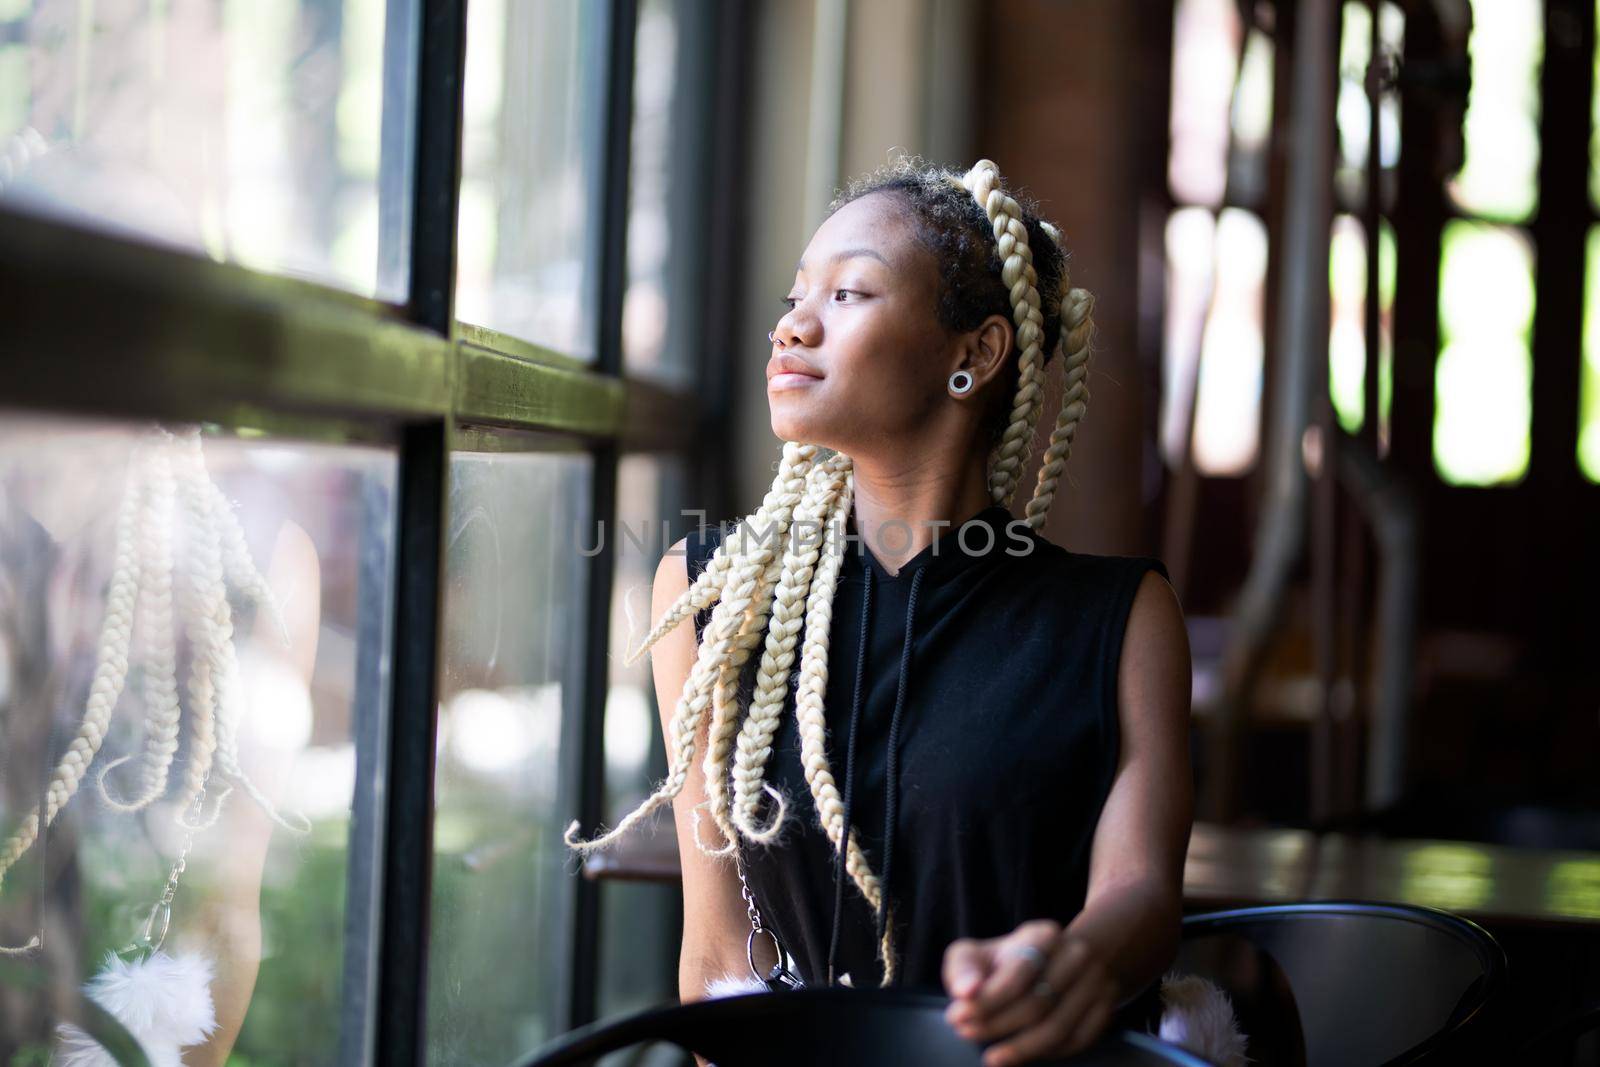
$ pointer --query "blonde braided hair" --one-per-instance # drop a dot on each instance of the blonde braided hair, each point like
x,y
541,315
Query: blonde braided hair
x,y
780,599
167,486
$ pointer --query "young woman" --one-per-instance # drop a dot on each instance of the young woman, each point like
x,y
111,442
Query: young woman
x,y
1009,719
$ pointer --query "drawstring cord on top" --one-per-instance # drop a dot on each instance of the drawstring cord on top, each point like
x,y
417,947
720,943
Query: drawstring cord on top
x,y
849,774
891,774
892,784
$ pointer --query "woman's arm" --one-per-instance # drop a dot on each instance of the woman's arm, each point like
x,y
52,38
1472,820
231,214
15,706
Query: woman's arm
x,y
1134,909
714,919
1127,933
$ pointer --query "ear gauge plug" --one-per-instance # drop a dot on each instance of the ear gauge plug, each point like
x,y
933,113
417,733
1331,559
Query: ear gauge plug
x,y
961,382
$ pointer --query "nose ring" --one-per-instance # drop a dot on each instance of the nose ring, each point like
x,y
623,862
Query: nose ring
x,y
772,336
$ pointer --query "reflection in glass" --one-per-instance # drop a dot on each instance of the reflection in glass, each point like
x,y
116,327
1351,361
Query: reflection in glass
x,y
1347,342
1483,380
530,159
1499,177
638,947
181,622
1589,393
502,906
246,131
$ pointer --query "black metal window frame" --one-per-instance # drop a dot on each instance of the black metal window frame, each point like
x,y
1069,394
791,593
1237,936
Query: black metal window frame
x,y
97,324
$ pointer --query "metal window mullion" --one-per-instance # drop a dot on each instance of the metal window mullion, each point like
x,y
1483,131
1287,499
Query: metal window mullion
x,y
438,56
1556,334
585,780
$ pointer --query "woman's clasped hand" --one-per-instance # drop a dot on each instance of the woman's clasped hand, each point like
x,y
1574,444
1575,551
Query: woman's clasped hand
x,y
1039,992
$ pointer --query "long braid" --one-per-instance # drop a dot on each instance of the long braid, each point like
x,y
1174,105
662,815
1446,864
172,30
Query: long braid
x,y
163,714
768,559
777,660
110,674
1077,329
208,621
1016,270
740,577
784,596
809,697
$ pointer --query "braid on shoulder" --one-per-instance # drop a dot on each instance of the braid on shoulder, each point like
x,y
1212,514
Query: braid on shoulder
x,y
740,571
777,660
765,565
813,725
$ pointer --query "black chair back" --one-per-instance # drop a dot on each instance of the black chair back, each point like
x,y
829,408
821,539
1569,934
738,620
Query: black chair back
x,y
1347,983
836,1027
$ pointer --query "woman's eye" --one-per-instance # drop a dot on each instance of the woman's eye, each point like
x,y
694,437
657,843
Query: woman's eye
x,y
789,301
837,293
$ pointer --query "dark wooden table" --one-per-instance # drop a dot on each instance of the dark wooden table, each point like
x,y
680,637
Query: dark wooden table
x,y
1232,867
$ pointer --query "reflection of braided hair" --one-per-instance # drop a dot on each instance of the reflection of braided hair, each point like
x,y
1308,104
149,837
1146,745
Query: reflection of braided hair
x,y
167,482
995,257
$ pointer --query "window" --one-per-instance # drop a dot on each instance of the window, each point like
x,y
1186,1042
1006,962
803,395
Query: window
x,y
210,608
1216,239
247,132
669,165
412,483
638,967
530,172
514,585
1483,406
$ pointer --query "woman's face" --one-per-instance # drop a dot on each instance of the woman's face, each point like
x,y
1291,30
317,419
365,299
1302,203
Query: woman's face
x,y
861,356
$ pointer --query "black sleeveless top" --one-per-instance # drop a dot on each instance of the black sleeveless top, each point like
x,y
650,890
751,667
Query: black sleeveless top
x,y
990,660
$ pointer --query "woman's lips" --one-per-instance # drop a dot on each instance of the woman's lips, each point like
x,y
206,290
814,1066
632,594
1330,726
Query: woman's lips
x,y
791,380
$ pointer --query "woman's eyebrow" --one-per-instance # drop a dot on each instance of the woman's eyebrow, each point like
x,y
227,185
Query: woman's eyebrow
x,y
849,253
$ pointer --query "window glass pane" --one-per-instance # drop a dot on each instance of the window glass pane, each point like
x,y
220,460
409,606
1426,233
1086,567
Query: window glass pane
x,y
529,214
1216,271
1354,119
1594,118
1228,402
1589,397
1483,381
247,130
502,913
212,612
1500,174
1347,341
1251,121
669,166
1191,232
638,946
1205,59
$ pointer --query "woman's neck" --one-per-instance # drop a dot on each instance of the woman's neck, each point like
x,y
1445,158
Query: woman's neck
x,y
899,513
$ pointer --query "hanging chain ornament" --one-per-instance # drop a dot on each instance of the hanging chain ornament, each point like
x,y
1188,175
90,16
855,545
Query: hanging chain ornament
x,y
163,1000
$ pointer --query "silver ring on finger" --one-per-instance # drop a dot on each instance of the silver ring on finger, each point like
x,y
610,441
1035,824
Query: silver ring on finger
x,y
1030,952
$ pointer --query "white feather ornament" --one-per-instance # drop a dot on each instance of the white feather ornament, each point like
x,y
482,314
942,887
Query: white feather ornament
x,y
163,1001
